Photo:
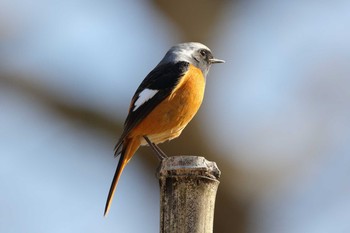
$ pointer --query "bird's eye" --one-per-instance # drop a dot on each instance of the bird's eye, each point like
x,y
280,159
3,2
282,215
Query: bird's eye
x,y
203,53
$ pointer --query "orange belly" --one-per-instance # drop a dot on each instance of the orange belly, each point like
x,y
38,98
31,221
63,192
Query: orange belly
x,y
171,116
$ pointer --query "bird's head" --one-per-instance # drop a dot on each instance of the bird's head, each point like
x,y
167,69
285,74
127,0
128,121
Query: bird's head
x,y
195,53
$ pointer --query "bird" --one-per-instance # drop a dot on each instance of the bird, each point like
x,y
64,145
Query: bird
x,y
164,103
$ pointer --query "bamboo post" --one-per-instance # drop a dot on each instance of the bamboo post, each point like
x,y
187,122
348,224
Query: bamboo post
x,y
188,186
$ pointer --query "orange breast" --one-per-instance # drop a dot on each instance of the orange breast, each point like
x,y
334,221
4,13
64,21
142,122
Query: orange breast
x,y
170,117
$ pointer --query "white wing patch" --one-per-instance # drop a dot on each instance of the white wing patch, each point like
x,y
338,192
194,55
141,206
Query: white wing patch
x,y
144,96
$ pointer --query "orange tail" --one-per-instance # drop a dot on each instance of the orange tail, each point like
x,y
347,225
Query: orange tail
x,y
130,146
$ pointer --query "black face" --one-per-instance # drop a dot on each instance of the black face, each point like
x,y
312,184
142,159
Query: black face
x,y
202,58
205,55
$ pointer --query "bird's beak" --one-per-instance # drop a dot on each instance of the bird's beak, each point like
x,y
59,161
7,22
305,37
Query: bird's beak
x,y
215,60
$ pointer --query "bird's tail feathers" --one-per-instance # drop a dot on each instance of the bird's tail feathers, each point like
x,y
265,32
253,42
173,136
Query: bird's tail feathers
x,y
118,147
129,148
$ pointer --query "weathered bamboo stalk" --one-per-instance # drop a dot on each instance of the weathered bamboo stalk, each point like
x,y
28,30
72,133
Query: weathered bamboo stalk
x,y
188,186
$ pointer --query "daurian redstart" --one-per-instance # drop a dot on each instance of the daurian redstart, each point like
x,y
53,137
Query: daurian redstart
x,y
164,103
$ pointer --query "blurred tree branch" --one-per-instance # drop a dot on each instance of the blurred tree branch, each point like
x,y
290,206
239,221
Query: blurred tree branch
x,y
196,18
89,117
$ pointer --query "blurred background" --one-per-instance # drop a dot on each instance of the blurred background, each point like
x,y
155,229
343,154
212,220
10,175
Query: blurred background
x,y
276,115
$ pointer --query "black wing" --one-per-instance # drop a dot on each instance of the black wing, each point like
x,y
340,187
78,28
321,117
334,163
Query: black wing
x,y
163,78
